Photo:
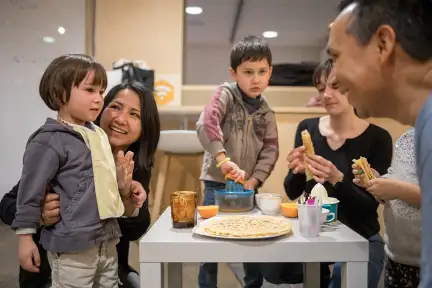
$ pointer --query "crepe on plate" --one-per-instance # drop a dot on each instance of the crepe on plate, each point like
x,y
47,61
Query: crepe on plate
x,y
309,150
364,165
248,226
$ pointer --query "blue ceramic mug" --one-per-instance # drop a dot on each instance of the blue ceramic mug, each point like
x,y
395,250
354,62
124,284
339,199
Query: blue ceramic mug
x,y
331,204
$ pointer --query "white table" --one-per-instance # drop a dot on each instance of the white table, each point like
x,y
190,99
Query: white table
x,y
163,244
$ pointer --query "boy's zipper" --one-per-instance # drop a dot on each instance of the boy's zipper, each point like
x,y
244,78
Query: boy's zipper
x,y
246,138
246,134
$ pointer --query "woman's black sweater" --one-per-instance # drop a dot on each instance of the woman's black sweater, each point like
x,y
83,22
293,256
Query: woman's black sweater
x,y
357,208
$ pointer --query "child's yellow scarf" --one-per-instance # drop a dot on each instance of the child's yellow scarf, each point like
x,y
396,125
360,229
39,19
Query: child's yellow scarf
x,y
108,198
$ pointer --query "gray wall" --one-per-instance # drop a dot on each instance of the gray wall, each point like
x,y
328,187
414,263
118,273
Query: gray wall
x,y
23,59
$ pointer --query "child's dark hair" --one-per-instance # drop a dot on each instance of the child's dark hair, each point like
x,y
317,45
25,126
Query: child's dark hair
x,y
144,148
250,48
65,72
322,71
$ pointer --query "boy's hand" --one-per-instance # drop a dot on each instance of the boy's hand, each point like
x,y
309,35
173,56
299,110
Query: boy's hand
x,y
233,170
229,166
251,184
237,175
28,253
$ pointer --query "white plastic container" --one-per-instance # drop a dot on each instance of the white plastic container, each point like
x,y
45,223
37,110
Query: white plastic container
x,y
269,203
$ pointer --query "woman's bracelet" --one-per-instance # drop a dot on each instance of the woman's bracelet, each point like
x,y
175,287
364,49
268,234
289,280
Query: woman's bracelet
x,y
223,161
338,180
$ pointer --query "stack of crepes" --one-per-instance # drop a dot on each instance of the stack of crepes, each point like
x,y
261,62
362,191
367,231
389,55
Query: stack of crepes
x,y
248,226
365,167
309,150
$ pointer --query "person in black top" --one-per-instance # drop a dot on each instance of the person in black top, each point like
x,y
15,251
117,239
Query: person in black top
x,y
338,138
131,120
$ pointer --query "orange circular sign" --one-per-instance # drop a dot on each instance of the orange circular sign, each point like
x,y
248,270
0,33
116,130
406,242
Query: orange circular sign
x,y
164,92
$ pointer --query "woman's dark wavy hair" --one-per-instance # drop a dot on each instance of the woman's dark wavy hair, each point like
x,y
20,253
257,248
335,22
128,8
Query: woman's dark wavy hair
x,y
144,148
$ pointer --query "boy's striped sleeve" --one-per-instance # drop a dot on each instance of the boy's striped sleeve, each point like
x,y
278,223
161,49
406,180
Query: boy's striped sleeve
x,y
209,123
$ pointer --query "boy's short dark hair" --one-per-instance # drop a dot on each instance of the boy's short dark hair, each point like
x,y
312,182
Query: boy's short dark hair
x,y
410,19
250,48
322,71
65,72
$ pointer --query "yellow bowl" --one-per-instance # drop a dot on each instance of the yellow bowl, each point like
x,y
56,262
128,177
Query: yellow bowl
x,y
290,209
208,211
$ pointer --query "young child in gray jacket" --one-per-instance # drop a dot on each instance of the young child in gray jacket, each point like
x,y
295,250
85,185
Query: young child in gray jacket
x,y
74,156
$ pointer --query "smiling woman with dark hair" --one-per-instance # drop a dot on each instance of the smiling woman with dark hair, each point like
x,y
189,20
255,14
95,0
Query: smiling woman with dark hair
x,y
145,145
131,121
130,115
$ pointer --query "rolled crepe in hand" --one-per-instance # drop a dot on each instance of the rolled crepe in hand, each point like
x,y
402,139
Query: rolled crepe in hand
x,y
309,150
364,165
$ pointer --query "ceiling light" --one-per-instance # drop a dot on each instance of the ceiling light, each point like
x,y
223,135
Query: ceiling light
x,y
194,10
48,39
61,30
270,34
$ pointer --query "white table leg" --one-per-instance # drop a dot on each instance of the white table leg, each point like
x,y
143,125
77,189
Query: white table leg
x,y
175,273
355,275
151,275
312,275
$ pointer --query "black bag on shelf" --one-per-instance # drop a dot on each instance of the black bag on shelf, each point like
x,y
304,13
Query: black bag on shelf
x,y
292,74
132,73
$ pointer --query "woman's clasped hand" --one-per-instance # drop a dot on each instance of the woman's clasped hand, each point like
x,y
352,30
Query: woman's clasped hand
x,y
322,169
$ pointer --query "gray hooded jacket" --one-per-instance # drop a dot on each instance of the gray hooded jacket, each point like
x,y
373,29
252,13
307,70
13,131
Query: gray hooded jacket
x,y
57,155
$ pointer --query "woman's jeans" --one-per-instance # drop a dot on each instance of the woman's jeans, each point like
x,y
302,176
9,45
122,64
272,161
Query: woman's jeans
x,y
207,277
